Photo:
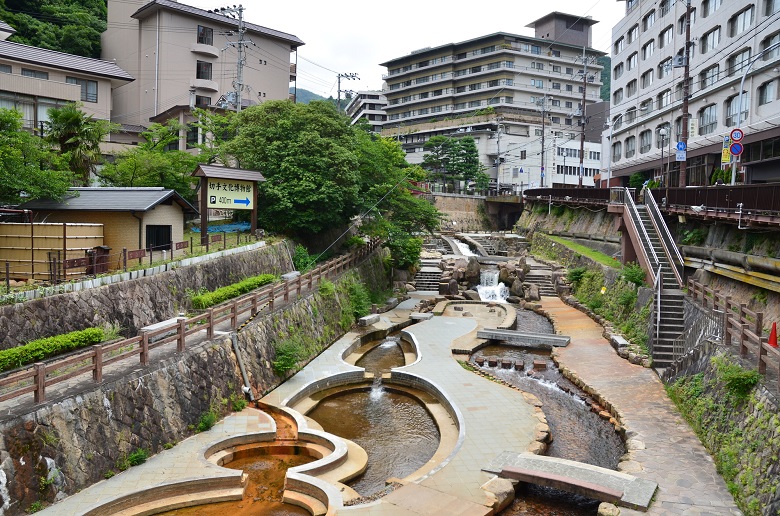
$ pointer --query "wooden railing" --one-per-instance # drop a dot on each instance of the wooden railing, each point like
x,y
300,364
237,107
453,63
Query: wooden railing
x,y
42,375
741,326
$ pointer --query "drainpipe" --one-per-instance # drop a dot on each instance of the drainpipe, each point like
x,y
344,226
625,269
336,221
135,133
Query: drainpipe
x,y
140,228
246,388
157,65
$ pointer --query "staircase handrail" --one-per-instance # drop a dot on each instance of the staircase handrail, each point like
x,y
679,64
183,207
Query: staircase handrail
x,y
657,286
667,241
709,324
628,199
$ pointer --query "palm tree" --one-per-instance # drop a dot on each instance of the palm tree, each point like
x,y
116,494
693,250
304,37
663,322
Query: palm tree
x,y
78,137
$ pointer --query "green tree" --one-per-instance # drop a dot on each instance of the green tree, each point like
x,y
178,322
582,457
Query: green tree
x,y
28,168
438,154
306,153
606,76
464,161
77,136
453,158
150,164
217,128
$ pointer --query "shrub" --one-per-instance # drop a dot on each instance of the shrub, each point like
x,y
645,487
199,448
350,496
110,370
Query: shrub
x,y
138,457
327,288
359,300
354,242
302,260
634,273
693,237
739,382
202,301
207,421
575,275
41,349
288,353
237,403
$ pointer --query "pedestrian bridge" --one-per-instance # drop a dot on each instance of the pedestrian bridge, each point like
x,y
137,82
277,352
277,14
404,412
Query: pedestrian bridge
x,y
594,482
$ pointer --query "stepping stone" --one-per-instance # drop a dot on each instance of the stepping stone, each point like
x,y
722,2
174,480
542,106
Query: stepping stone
x,y
519,365
480,361
492,361
506,363
540,365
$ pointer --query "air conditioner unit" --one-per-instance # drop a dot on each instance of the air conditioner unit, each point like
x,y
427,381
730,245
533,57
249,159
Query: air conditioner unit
x,y
679,61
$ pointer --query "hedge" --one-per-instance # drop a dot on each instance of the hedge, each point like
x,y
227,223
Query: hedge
x,y
202,301
41,349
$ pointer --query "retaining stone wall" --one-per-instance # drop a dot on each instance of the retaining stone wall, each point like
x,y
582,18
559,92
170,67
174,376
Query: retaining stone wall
x,y
135,303
464,211
75,442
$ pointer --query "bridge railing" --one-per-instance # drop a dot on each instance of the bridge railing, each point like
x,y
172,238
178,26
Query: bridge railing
x,y
667,240
599,195
764,198
741,326
42,375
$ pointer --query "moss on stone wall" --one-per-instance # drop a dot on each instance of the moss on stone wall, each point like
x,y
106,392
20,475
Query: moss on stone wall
x,y
738,421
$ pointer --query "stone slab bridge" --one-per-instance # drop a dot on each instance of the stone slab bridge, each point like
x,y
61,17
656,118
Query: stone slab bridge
x,y
595,482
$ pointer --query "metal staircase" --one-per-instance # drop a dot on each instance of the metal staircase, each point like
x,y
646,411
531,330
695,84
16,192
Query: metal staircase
x,y
666,268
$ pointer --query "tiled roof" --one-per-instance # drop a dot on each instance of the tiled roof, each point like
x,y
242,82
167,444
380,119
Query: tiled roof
x,y
220,172
4,27
152,6
111,199
54,59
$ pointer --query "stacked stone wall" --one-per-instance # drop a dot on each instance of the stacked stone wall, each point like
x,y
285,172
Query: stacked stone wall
x,y
66,445
465,212
136,303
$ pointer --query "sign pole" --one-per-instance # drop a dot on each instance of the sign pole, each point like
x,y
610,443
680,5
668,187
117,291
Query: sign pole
x,y
253,223
204,211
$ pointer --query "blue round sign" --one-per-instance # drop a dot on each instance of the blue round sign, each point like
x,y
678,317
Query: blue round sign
x,y
736,149
681,146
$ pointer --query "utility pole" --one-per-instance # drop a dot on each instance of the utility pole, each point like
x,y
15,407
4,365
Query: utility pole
x,y
498,153
582,115
238,84
686,91
345,76
543,103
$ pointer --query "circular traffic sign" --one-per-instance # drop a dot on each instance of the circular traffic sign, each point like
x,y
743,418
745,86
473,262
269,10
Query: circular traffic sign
x,y
737,135
736,149
681,146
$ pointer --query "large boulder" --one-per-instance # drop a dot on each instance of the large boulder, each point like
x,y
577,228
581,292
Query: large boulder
x,y
471,295
516,288
532,292
472,272
460,263
505,276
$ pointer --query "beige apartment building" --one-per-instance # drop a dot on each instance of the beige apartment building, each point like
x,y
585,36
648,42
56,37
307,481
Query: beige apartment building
x,y
33,80
729,40
172,48
368,106
518,96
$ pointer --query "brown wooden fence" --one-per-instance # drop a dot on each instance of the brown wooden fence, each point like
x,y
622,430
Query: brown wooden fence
x,y
37,378
741,326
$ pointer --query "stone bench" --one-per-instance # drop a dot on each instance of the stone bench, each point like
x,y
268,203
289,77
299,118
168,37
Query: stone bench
x,y
530,340
618,342
368,320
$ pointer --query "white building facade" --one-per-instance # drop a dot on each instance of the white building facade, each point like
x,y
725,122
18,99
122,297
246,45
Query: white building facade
x,y
519,97
368,106
728,40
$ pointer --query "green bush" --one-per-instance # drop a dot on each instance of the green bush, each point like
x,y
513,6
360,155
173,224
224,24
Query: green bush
x,y
634,273
207,421
575,275
739,382
137,457
354,242
327,288
693,237
41,349
202,301
288,353
302,260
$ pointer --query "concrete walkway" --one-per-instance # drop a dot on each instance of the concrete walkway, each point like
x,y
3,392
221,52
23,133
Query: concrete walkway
x,y
663,446
494,419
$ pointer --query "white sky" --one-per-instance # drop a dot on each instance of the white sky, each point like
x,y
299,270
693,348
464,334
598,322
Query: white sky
x,y
353,37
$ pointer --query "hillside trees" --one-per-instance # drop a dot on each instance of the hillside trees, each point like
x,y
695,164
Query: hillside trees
x,y
28,167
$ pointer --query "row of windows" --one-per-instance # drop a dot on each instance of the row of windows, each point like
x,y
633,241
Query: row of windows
x,y
443,108
575,171
89,89
737,24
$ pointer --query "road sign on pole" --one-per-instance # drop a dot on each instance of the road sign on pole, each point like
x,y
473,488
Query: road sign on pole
x,y
681,155
737,135
736,148
681,146
725,154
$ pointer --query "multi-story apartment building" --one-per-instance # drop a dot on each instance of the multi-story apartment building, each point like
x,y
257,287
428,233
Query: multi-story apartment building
x,y
520,98
368,106
170,47
33,80
729,40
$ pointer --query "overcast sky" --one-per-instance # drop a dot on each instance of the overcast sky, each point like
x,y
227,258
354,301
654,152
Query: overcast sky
x,y
353,37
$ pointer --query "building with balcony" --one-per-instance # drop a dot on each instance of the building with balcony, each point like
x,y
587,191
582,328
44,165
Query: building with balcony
x,y
519,97
728,40
170,47
370,107
33,80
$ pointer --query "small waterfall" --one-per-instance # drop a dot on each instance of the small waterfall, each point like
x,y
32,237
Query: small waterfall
x,y
489,288
464,249
377,389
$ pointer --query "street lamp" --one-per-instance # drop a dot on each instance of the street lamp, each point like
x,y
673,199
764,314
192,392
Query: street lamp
x,y
770,48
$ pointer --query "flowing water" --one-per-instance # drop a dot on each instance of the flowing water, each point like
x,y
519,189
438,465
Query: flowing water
x,y
578,434
489,288
263,493
464,249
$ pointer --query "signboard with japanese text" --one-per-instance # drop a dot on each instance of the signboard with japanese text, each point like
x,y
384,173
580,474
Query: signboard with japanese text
x,y
230,194
725,155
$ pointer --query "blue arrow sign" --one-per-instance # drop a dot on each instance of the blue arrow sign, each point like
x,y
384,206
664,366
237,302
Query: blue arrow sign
x,y
242,201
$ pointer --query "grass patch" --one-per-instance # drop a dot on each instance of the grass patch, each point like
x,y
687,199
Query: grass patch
x,y
207,420
587,252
